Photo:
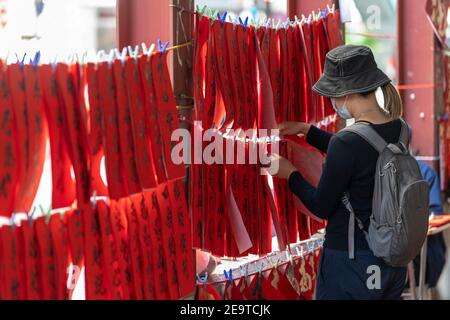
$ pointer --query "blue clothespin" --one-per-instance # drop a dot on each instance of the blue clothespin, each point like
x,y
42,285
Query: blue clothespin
x,y
228,275
21,61
30,217
222,18
39,6
202,280
37,58
245,24
162,47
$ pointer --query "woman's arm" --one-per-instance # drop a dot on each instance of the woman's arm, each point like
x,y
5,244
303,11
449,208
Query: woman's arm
x,y
319,139
324,200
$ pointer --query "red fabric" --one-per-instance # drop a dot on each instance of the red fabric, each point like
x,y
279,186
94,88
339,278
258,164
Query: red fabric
x,y
306,45
32,262
305,274
58,230
75,230
127,146
170,245
119,226
142,215
48,262
332,29
143,154
275,73
95,129
309,162
252,290
77,134
157,245
281,285
167,112
113,158
13,281
9,149
134,247
235,77
108,247
207,292
321,49
234,290
246,52
96,282
63,186
17,86
152,123
223,75
292,64
183,237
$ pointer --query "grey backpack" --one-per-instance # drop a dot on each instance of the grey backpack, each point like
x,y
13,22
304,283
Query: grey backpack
x,y
399,220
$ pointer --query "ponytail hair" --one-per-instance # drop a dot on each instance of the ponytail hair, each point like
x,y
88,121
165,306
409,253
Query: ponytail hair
x,y
392,101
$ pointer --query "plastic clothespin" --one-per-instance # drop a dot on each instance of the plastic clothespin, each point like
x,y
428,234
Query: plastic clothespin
x,y
311,247
244,23
53,62
13,221
21,61
228,275
203,280
82,58
31,215
222,18
101,55
267,23
121,55
148,51
37,58
110,57
133,53
94,199
201,11
162,48
287,23
46,213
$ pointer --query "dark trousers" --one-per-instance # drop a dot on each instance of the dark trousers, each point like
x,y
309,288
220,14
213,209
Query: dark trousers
x,y
365,278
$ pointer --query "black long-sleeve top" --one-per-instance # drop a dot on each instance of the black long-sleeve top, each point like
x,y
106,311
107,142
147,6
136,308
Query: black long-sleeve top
x,y
350,166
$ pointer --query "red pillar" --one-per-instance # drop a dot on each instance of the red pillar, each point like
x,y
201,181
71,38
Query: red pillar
x,y
419,60
143,21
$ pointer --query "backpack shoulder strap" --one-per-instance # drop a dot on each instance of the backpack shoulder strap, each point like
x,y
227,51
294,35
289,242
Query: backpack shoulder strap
x,y
405,134
370,135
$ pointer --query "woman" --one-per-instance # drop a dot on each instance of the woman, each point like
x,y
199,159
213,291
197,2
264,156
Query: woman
x,y
350,79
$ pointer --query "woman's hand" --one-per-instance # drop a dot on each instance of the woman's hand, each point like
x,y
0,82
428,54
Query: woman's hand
x,y
293,128
285,167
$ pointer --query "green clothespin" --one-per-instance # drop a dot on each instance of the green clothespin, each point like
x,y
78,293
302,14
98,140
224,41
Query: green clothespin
x,y
46,213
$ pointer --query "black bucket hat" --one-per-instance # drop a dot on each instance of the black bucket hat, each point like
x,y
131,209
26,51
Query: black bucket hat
x,y
350,69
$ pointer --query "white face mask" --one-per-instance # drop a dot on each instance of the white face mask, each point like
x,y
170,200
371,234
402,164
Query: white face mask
x,y
342,111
